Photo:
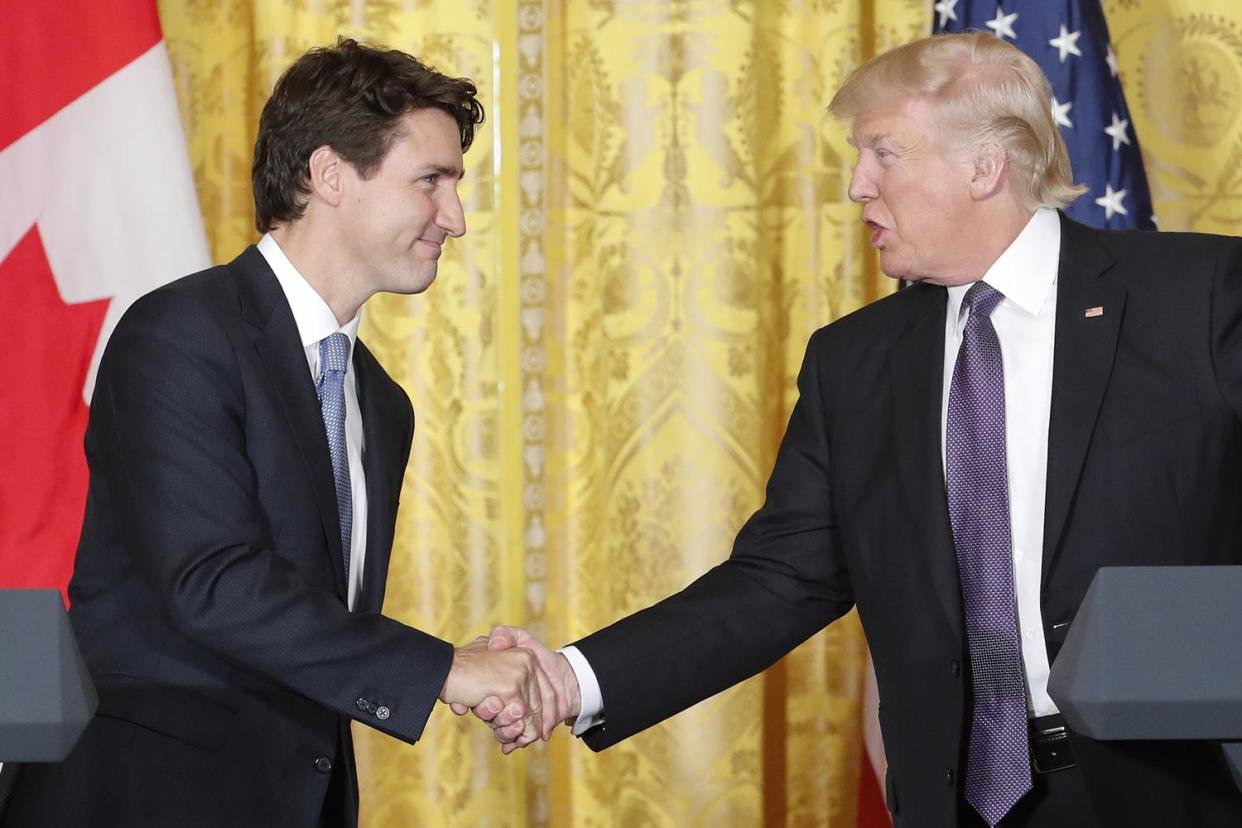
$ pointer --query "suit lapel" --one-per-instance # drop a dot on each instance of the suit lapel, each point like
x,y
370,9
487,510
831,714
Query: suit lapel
x,y
279,347
381,450
916,366
1081,364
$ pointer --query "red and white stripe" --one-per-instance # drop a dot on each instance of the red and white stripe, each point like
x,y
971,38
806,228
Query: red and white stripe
x,y
97,207
872,812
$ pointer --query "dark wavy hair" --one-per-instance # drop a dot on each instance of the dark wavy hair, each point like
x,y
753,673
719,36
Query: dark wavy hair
x,y
350,97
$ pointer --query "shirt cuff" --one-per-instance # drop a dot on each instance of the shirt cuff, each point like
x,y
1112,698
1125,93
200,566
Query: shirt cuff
x,y
592,701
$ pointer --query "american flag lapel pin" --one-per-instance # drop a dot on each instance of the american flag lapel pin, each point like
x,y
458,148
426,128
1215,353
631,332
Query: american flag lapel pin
x,y
1098,310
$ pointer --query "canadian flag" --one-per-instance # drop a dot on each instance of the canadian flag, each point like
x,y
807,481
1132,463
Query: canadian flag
x,y
97,207
872,812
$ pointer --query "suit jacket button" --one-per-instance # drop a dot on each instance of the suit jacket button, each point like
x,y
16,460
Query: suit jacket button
x,y
323,764
948,776
383,712
361,704
955,668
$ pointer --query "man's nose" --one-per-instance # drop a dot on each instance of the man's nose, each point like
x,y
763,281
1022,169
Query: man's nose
x,y
452,216
862,188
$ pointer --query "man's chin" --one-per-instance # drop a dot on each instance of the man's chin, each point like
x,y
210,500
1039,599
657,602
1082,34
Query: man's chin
x,y
412,284
895,269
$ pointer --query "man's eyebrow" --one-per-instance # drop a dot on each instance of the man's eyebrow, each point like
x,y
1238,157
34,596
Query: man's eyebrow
x,y
872,138
442,169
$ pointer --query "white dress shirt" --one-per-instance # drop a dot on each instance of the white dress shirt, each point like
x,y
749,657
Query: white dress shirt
x,y
1026,273
1025,325
316,321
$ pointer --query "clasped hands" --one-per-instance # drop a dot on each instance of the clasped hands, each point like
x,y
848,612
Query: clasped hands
x,y
515,684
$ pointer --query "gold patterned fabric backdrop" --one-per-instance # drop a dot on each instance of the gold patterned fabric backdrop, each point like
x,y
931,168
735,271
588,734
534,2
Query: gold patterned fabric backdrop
x,y
657,221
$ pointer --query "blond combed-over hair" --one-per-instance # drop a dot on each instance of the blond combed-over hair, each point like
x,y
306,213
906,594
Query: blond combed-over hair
x,y
983,91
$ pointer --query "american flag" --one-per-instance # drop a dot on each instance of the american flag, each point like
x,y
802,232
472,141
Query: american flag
x,y
1069,40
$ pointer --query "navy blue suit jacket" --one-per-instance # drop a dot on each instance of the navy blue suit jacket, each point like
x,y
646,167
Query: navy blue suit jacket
x,y
208,594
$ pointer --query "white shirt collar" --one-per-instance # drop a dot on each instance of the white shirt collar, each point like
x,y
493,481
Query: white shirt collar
x,y
315,320
1027,270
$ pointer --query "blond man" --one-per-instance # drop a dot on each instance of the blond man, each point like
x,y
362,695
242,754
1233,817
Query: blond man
x,y
1045,400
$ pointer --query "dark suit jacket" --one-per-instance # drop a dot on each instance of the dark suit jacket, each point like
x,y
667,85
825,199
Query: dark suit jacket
x,y
1144,467
209,593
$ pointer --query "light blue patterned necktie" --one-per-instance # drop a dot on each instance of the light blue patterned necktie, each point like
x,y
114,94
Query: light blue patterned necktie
x,y
333,361
998,764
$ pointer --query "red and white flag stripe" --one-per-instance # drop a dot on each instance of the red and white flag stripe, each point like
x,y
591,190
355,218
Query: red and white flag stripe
x,y
97,207
872,811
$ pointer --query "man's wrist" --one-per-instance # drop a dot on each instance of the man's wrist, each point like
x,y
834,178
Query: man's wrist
x,y
572,689
589,710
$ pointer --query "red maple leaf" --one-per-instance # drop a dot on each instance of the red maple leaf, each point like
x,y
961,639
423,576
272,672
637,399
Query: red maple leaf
x,y
42,419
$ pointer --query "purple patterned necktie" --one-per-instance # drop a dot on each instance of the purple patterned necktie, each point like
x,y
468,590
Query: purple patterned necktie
x,y
998,766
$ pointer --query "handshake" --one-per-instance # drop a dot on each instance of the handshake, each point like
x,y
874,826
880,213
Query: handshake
x,y
515,684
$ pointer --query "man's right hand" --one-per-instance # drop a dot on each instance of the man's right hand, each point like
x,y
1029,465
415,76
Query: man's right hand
x,y
506,684
563,704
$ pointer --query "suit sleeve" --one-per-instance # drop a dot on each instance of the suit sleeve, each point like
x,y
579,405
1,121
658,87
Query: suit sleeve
x,y
1226,323
784,581
188,503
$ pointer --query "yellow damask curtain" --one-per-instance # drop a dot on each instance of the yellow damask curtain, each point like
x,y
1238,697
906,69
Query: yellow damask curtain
x,y
657,221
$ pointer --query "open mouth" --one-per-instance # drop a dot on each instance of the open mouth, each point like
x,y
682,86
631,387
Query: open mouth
x,y
877,231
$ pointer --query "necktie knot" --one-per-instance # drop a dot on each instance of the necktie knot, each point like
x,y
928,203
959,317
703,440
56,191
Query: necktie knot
x,y
334,353
982,299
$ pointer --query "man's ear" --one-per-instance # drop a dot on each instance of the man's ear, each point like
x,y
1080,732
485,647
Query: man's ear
x,y
327,181
991,165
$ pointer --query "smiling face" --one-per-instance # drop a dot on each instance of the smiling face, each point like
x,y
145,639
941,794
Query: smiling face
x,y
395,221
916,194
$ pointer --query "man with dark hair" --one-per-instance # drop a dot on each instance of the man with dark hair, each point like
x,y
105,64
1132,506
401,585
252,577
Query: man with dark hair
x,y
246,454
